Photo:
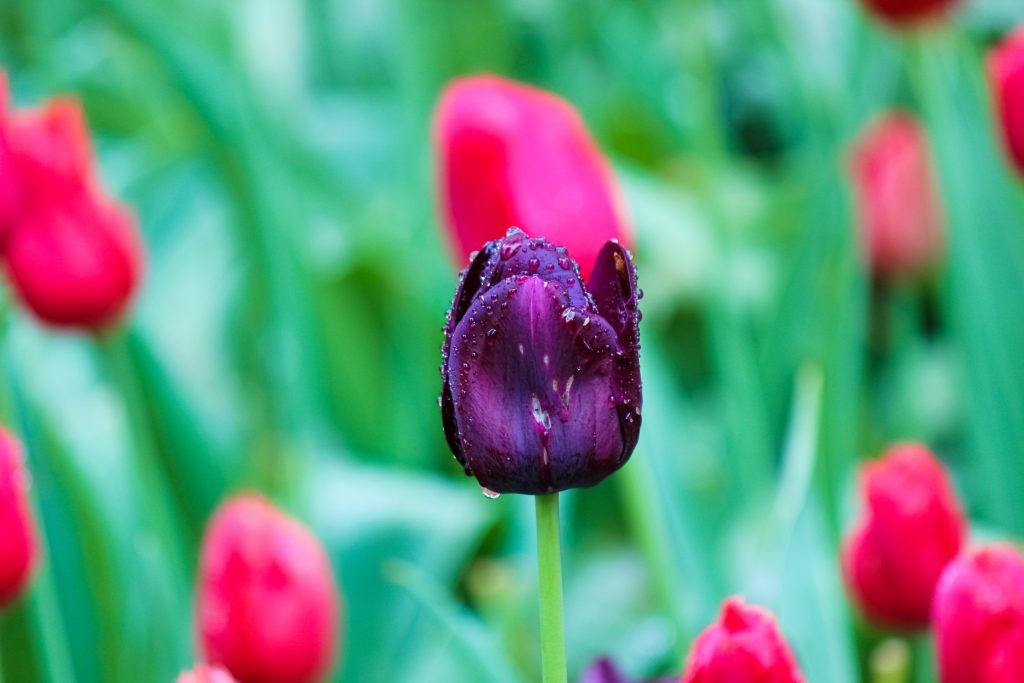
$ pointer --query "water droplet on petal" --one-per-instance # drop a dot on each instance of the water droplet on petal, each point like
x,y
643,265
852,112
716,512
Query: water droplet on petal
x,y
489,493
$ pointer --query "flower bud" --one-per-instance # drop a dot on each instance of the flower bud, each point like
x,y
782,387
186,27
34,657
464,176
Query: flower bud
x,y
903,13
1006,76
898,211
979,617
71,254
268,609
541,374
206,674
912,527
510,154
18,547
743,645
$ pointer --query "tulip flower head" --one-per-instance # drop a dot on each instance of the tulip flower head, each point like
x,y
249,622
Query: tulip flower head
x,y
268,609
912,527
906,13
541,374
979,617
206,674
743,645
899,215
19,549
511,154
605,671
1006,75
71,254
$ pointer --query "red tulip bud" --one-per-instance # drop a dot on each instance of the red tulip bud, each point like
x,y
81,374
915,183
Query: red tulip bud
x,y
979,617
268,609
206,674
901,224
912,527
513,155
902,13
18,548
743,645
72,255
1006,75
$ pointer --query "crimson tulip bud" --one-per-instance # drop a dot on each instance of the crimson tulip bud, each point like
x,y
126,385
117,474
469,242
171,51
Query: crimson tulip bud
x,y
979,617
71,254
541,374
206,674
904,13
912,527
268,609
743,645
899,215
1006,75
19,549
510,154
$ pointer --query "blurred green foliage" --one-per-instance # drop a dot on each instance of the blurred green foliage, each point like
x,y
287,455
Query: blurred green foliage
x,y
279,157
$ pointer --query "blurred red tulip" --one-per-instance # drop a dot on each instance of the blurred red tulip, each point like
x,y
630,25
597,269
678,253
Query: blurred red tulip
x,y
743,645
902,13
1006,73
72,255
912,527
206,674
512,155
18,547
268,609
979,617
901,222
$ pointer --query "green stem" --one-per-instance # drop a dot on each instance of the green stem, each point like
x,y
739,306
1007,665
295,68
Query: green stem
x,y
549,565
637,487
44,615
154,493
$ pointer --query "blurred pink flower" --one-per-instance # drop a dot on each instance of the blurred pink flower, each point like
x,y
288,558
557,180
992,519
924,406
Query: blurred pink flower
x,y
1006,76
510,155
911,527
72,255
268,608
902,13
979,617
206,674
898,210
743,645
19,549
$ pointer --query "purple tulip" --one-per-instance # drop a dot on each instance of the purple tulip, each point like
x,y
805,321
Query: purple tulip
x,y
605,671
541,374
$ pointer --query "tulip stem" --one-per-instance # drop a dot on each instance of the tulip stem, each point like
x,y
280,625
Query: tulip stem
x,y
549,564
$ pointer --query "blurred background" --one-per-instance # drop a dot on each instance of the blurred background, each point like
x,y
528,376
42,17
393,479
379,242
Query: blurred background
x,y
287,338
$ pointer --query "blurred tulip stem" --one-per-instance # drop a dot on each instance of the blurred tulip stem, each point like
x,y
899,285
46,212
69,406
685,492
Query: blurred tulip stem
x,y
48,625
890,662
549,564
154,492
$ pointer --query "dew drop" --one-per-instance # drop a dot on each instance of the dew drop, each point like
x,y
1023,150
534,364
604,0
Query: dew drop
x,y
533,265
489,493
564,263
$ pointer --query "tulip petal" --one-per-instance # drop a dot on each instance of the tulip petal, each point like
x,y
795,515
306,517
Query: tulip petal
x,y
531,381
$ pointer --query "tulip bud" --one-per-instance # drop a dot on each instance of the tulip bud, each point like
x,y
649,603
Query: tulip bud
x,y
899,215
206,674
743,645
18,548
72,255
510,154
979,617
541,374
912,527
268,609
1006,75
903,13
